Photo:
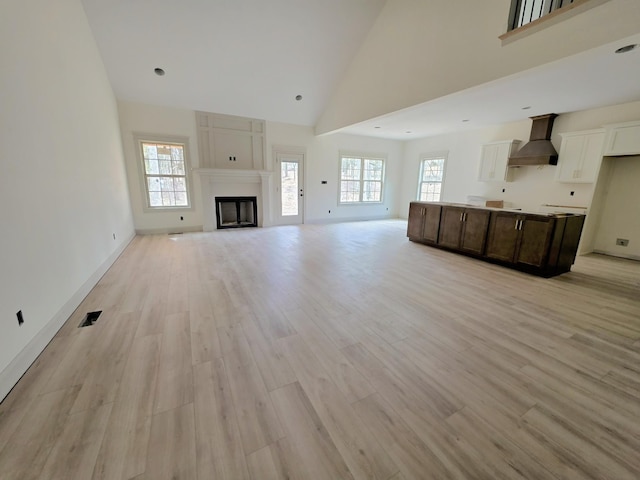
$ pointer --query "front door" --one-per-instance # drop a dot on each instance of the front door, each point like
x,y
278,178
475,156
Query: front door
x,y
291,187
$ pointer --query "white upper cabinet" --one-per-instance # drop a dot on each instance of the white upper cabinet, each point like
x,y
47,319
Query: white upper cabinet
x,y
580,156
494,161
623,139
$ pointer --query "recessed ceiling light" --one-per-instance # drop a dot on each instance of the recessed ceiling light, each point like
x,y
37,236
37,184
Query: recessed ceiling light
x,y
526,108
627,48
377,127
159,71
408,131
298,98
465,120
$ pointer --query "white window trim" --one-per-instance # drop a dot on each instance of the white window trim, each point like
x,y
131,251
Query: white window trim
x,y
433,156
138,139
368,156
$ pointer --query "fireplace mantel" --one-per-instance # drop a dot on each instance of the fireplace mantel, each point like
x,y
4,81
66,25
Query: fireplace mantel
x,y
214,179
229,175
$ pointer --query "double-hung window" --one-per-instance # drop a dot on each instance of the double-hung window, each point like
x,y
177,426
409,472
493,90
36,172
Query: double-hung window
x,y
361,179
431,178
164,167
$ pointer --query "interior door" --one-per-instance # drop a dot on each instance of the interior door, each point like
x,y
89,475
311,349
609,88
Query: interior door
x,y
290,169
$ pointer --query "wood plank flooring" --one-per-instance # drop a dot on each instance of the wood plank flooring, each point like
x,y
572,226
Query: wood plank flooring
x,y
334,352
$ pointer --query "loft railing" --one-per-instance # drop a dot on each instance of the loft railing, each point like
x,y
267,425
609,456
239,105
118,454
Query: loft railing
x,y
526,11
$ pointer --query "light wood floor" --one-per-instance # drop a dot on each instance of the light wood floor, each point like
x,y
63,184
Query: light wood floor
x,y
334,352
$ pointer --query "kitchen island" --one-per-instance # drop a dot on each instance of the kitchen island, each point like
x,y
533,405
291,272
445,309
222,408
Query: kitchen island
x,y
543,244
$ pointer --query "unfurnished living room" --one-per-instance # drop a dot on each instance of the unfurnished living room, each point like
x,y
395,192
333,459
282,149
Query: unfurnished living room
x,y
320,239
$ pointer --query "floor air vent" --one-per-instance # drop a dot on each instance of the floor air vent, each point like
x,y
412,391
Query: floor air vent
x,y
90,319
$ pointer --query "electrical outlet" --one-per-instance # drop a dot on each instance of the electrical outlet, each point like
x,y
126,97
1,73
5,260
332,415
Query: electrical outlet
x,y
623,242
20,317
114,236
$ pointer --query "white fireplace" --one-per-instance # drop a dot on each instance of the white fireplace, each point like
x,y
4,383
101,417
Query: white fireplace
x,y
216,182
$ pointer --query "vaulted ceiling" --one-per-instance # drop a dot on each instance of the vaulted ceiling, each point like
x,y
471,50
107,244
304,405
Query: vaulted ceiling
x,y
241,57
253,57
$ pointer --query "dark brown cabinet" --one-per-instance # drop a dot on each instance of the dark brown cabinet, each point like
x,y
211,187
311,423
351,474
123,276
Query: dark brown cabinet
x,y
535,238
450,227
464,229
424,222
503,236
516,238
416,221
545,245
474,230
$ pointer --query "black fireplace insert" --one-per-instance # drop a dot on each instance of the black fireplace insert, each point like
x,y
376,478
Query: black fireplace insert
x,y
236,212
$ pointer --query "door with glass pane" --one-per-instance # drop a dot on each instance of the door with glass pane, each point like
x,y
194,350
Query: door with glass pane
x,y
290,188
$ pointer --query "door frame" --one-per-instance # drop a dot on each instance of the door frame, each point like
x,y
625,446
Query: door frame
x,y
277,151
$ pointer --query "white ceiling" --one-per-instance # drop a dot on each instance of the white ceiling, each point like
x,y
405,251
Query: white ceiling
x,y
592,79
241,57
252,57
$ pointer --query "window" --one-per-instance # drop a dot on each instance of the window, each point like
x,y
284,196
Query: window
x,y
361,179
431,178
526,11
164,167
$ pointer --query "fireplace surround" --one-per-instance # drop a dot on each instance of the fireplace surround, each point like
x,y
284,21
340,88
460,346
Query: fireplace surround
x,y
236,212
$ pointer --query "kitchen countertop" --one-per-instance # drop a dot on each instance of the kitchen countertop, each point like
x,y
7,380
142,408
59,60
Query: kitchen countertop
x,y
513,210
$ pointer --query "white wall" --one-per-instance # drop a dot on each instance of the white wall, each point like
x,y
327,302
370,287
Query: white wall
x,y
420,50
531,186
63,192
149,119
592,224
321,163
620,216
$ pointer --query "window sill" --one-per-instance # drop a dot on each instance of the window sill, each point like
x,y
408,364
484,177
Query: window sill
x,y
356,204
167,209
550,19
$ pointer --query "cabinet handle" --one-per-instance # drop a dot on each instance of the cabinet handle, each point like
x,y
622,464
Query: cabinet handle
x,y
464,218
461,216
517,222
521,222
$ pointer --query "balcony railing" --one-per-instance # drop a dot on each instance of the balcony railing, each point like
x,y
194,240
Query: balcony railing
x,y
526,11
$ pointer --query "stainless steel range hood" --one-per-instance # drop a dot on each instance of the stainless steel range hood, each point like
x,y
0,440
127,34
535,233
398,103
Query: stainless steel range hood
x,y
539,150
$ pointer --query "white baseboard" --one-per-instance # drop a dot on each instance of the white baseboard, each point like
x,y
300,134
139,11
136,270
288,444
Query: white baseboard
x,y
157,231
349,219
614,254
21,363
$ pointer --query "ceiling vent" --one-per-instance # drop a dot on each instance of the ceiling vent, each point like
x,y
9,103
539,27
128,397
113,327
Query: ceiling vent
x,y
539,150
